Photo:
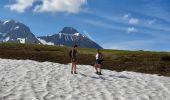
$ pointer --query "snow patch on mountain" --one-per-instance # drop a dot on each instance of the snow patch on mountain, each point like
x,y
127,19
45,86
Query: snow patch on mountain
x,y
76,34
21,40
6,39
17,27
45,42
6,21
60,35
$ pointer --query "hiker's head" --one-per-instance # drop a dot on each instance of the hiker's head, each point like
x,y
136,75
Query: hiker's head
x,y
98,50
75,46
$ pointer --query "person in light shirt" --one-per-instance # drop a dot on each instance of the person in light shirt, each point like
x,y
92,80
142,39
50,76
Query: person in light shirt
x,y
99,59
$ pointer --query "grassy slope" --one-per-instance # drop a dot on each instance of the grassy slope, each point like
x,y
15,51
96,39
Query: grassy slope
x,y
119,60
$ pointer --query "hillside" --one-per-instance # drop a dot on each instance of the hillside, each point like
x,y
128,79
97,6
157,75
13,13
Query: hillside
x,y
118,60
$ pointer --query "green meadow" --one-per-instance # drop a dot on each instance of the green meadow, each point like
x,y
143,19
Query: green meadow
x,y
119,60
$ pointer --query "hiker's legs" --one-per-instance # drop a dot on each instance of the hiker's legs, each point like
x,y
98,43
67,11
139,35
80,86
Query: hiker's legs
x,y
75,67
96,65
99,66
72,67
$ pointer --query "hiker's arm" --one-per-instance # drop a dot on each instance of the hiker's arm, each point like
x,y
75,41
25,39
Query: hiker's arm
x,y
72,53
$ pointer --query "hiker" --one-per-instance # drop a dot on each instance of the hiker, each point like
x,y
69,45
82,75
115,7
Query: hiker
x,y
99,59
73,56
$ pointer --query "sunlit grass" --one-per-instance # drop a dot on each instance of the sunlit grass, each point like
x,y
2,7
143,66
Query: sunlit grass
x,y
119,60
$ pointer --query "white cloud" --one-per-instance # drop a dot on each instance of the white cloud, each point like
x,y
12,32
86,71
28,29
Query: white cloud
x,y
103,24
131,29
20,5
133,21
130,20
150,22
126,16
69,6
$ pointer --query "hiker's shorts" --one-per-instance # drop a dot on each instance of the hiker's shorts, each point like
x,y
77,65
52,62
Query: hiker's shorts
x,y
98,61
73,59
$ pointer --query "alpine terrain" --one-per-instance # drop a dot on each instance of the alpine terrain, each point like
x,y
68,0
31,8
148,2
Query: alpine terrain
x,y
13,31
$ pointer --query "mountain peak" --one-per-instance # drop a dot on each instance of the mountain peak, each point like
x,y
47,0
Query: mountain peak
x,y
69,30
69,36
13,31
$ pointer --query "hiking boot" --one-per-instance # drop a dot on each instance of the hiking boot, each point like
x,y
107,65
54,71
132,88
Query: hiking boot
x,y
99,73
71,72
75,72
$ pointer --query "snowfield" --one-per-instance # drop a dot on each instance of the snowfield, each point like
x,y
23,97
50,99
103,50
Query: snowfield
x,y
31,80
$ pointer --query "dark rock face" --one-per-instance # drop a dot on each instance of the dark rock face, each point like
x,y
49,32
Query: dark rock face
x,y
68,30
12,31
70,36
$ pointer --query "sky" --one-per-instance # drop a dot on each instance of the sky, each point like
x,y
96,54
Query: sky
x,y
114,24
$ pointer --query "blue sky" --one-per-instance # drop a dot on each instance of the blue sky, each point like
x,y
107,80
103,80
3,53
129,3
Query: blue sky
x,y
114,24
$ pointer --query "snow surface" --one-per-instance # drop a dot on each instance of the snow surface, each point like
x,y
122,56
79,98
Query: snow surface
x,y
45,42
31,80
22,40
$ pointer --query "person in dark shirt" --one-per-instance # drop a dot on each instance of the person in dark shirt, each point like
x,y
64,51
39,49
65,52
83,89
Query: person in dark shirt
x,y
73,56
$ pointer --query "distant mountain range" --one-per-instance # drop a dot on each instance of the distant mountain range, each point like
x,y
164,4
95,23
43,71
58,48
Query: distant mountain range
x,y
13,31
